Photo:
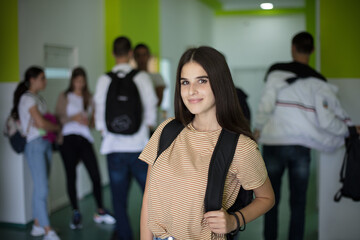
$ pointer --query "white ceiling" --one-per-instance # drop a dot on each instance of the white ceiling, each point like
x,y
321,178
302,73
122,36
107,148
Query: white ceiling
x,y
255,4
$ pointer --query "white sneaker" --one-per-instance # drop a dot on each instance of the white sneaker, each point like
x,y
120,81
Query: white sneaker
x,y
104,218
51,235
37,231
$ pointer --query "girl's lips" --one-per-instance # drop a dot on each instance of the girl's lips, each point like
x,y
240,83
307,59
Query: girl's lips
x,y
196,100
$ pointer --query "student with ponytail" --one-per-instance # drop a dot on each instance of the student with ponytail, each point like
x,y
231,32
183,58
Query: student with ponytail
x,y
30,107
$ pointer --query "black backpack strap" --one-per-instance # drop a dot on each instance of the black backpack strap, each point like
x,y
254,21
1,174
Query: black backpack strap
x,y
348,146
112,75
168,135
338,195
219,166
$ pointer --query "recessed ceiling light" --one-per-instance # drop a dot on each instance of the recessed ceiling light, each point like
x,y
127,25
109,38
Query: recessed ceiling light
x,y
266,6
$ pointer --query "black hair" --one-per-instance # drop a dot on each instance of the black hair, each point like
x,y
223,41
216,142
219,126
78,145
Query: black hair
x,y
23,86
228,111
121,46
141,45
303,42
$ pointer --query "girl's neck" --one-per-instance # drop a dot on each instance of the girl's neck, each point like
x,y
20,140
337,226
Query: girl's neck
x,y
77,92
33,91
205,124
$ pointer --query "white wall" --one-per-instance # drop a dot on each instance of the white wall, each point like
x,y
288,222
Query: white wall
x,y
338,221
184,24
13,169
77,24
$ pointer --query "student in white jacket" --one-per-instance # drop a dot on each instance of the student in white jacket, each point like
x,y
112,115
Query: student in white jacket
x,y
298,111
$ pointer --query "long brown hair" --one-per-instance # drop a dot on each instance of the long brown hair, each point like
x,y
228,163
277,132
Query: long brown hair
x,y
79,71
228,110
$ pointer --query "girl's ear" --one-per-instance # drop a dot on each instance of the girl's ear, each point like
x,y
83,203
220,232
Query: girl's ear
x,y
31,80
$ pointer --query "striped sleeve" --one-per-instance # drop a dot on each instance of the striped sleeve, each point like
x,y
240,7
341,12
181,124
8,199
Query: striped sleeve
x,y
149,153
248,164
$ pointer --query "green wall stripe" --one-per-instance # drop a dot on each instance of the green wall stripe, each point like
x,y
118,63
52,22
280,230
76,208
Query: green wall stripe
x,y
340,38
9,43
112,29
214,4
140,22
310,16
136,19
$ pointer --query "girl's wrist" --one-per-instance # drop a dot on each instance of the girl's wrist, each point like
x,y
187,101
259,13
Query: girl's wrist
x,y
235,224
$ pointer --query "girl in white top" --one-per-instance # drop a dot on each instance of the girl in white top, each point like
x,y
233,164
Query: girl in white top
x,y
75,110
30,107
173,202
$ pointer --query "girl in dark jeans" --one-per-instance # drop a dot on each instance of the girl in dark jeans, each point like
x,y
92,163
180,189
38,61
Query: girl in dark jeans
x,y
75,112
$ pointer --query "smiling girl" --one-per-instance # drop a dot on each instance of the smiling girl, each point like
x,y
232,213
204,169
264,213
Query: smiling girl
x,y
173,202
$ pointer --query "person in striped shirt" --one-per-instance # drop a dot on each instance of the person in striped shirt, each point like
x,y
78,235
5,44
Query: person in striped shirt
x,y
173,202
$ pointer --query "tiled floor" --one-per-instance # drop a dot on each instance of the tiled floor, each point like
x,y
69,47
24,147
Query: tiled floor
x,y
91,231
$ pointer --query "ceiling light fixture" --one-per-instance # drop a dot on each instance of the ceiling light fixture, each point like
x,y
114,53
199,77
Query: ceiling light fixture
x,y
266,6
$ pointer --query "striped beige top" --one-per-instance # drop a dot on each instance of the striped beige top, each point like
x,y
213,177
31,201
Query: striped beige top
x,y
178,179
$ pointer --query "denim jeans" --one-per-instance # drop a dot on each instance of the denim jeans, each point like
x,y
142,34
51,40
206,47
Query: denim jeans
x,y
122,167
297,160
169,238
38,156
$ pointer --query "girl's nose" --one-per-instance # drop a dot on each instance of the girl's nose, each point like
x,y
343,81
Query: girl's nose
x,y
192,89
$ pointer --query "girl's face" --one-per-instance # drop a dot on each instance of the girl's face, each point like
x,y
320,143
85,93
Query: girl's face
x,y
38,83
196,91
78,83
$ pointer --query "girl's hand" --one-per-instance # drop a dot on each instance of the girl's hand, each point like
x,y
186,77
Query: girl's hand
x,y
80,118
77,118
220,221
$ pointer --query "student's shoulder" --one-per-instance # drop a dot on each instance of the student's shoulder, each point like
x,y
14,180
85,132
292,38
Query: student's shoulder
x,y
164,123
27,100
281,66
105,77
142,76
247,144
63,95
156,135
27,96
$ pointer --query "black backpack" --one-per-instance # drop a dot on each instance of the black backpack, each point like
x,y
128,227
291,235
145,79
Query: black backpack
x,y
349,173
123,114
219,166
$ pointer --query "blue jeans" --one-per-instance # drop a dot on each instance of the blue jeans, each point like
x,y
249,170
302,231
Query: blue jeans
x,y
169,238
121,167
38,155
297,160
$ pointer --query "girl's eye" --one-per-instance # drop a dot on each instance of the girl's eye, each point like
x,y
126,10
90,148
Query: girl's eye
x,y
184,82
203,80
